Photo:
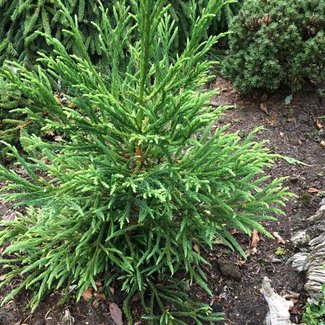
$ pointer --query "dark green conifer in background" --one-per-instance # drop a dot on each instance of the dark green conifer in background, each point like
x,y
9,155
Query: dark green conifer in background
x,y
22,19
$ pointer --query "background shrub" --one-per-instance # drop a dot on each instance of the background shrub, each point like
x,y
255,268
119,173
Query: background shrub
x,y
277,43
21,19
136,175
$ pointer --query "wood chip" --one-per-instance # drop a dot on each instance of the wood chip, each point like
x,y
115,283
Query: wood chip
x,y
255,239
279,239
116,313
313,190
263,108
87,294
96,303
196,248
319,124
100,296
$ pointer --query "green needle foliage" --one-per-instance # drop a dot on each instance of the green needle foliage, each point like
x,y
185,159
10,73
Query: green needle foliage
x,y
21,20
277,43
12,120
136,173
9,130
185,13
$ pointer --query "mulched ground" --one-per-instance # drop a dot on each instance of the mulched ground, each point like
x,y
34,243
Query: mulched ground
x,y
293,130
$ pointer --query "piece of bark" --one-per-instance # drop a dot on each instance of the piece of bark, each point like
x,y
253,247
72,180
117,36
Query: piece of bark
x,y
278,306
312,261
298,261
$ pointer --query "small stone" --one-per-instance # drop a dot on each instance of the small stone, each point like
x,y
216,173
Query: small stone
x,y
230,270
96,303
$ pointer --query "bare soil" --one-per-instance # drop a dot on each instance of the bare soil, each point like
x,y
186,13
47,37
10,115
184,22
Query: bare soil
x,y
293,130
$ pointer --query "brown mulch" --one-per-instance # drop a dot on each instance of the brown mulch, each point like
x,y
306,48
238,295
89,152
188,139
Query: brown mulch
x,y
296,131
293,130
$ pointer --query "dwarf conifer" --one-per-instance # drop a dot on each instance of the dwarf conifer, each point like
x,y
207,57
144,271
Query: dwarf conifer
x,y
136,174
277,43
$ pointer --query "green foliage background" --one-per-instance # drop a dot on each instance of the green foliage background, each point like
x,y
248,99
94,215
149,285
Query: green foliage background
x,y
277,43
185,12
21,19
137,173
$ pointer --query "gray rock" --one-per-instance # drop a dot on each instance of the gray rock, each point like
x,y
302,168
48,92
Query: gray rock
x,y
298,261
312,261
300,238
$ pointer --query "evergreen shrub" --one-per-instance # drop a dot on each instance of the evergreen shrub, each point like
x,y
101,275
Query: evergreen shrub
x,y
137,182
277,43
21,20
